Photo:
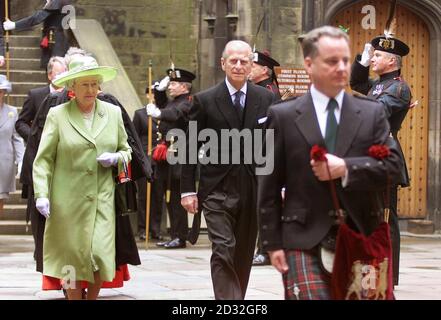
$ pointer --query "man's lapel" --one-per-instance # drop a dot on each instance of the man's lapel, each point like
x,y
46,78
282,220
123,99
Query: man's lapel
x,y
251,107
307,121
76,120
100,119
350,121
225,106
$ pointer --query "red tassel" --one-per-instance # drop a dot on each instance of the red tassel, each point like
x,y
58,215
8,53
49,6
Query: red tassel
x,y
44,42
160,152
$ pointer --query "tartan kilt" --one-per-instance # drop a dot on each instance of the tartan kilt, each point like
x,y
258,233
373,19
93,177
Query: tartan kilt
x,y
305,276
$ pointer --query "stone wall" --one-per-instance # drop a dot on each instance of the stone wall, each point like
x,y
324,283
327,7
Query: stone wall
x,y
144,30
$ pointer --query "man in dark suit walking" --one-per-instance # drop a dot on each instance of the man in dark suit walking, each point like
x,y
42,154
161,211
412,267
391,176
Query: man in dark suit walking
x,y
348,127
227,189
55,66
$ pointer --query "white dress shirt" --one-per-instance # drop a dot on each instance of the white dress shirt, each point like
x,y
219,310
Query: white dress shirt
x,y
321,101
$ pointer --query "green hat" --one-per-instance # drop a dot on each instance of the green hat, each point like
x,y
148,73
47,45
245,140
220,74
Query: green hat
x,y
84,66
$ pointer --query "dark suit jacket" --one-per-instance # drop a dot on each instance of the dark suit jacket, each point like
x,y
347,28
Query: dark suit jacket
x,y
214,109
305,217
29,110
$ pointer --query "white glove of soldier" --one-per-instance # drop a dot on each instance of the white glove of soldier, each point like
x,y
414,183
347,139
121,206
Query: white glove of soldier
x,y
108,159
163,85
367,55
8,25
43,206
153,110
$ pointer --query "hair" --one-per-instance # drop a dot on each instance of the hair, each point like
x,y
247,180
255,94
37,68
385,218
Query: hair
x,y
236,43
309,43
74,51
187,85
398,61
52,60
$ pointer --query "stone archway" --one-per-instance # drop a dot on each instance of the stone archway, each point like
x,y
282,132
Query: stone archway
x,y
430,12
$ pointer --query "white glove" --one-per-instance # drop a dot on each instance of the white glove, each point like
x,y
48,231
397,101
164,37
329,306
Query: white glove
x,y
163,85
2,61
367,55
8,25
108,159
153,110
43,206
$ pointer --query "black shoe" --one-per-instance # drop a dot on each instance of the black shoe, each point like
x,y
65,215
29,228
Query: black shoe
x,y
261,260
175,244
141,235
162,243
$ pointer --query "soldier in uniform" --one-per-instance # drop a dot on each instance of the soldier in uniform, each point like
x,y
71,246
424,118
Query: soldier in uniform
x,y
262,72
172,114
384,56
53,41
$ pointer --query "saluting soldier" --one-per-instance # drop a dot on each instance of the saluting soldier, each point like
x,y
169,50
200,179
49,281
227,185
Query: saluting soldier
x,y
53,42
384,55
262,72
172,114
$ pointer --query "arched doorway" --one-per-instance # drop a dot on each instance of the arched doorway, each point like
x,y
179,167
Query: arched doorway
x,y
414,134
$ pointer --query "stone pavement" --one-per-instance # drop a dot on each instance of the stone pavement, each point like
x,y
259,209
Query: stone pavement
x,y
184,274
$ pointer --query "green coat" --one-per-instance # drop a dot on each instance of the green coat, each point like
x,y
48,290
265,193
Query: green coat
x,y
80,233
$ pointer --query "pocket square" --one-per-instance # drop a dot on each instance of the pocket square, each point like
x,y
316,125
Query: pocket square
x,y
262,120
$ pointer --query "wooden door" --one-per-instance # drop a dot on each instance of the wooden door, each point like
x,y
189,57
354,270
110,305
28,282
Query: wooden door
x,y
413,135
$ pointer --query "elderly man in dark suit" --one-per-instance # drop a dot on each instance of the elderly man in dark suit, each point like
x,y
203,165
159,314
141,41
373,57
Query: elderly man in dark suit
x,y
227,189
55,66
348,127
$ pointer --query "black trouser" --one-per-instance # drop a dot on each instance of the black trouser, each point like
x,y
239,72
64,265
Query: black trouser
x,y
177,214
155,207
394,233
230,214
38,223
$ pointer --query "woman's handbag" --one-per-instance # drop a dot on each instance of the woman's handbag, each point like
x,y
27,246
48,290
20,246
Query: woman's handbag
x,y
125,192
125,204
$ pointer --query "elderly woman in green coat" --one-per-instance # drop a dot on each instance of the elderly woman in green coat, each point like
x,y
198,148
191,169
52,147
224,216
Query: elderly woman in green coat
x,y
83,145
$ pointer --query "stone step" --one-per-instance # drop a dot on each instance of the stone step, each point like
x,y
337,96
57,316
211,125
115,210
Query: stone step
x,y
24,52
24,41
22,63
13,212
15,198
14,227
17,75
24,87
16,100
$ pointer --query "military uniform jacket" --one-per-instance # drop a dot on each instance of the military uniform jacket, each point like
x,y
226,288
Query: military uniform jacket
x,y
271,86
394,93
174,115
305,217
